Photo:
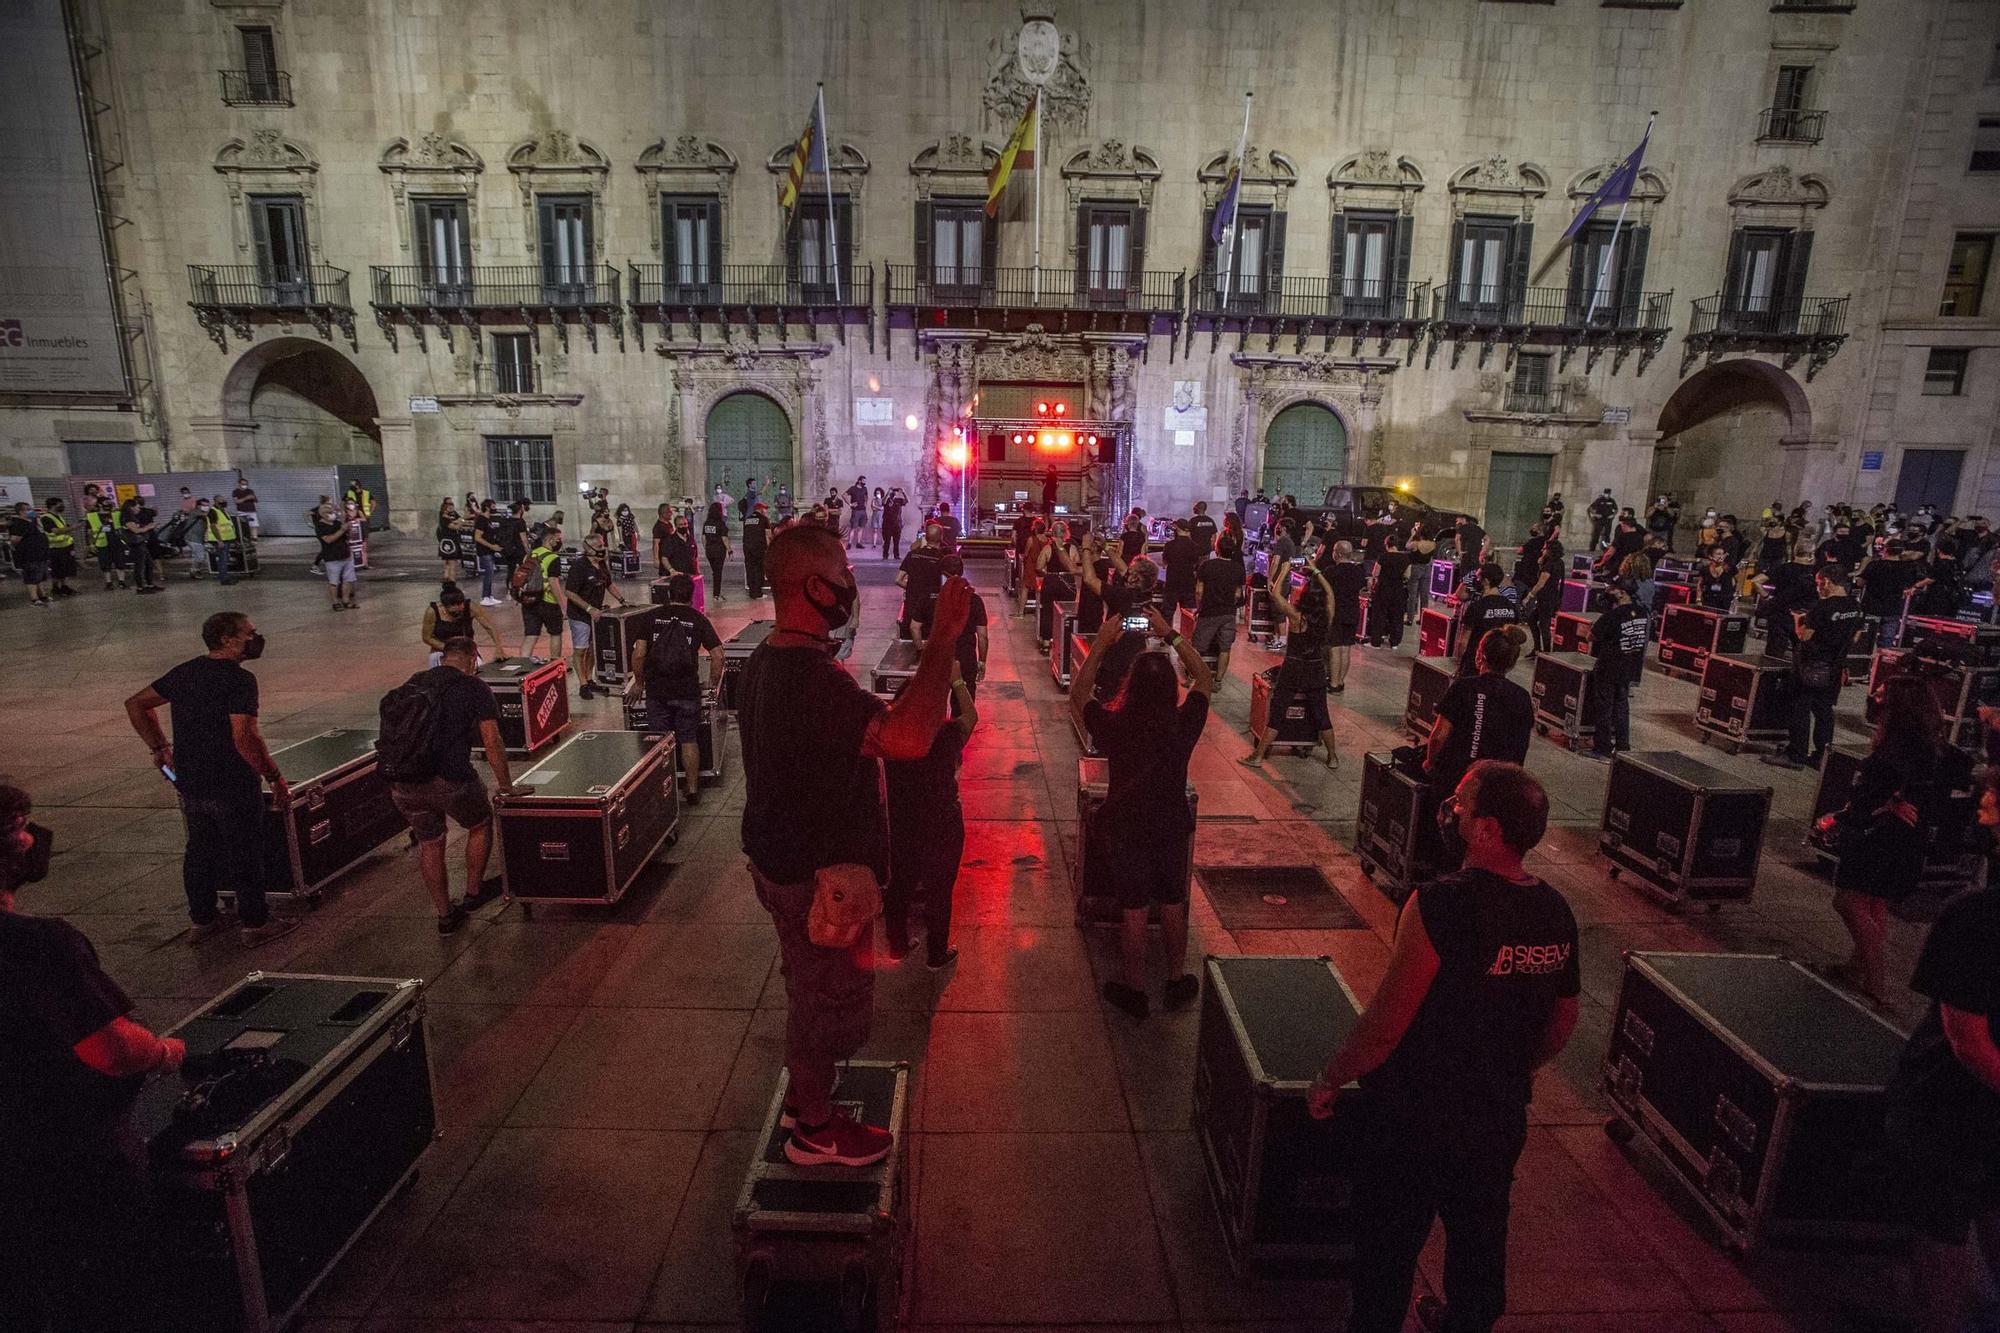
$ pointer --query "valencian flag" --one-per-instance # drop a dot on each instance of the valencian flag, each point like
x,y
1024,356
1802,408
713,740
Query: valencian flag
x,y
1616,189
809,154
1019,152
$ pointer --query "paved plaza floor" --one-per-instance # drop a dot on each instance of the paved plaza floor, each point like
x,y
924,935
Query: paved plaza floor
x,y
601,1072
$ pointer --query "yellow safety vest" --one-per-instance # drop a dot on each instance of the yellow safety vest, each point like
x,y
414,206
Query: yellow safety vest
x,y
547,559
58,529
222,526
100,529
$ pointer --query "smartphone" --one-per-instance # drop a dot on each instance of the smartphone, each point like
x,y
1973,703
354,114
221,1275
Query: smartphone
x,y
168,774
1138,622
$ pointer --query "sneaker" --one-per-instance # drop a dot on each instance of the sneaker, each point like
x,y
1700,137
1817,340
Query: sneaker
x,y
1123,997
340,606
938,961
1182,989
489,601
452,919
1781,760
693,797
897,947
276,928
839,1142
1599,756
588,691
207,930
38,601
489,890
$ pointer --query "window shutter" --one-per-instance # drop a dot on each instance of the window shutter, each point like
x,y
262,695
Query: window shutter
x,y
545,213
1797,260
1082,251
714,207
925,276
792,246
1454,265
1632,275
1211,261
261,223
1520,245
1732,274
1335,282
1399,272
1580,276
844,238
1135,276
670,246
989,252
1274,260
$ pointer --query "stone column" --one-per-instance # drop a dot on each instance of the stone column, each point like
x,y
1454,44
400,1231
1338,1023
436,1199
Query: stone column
x,y
1645,455
399,462
1365,463
680,461
812,426
1805,472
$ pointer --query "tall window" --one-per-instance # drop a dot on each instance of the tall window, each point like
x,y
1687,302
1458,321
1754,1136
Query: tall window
x,y
958,240
814,246
513,363
567,274
691,235
1764,288
1490,271
1108,248
444,254
1965,277
1604,279
1944,372
1792,116
1251,269
521,467
284,262
1529,391
260,63
1985,145
1365,243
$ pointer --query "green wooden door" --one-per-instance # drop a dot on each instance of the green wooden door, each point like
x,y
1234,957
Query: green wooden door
x,y
1516,490
1305,451
748,436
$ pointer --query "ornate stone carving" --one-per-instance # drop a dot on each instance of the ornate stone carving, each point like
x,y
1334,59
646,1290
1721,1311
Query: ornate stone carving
x,y
1373,178
688,164
1496,179
1038,57
1377,465
439,166
1495,171
1112,169
1267,176
955,155
1374,167
268,162
1491,381
1034,355
558,161
267,149
1777,185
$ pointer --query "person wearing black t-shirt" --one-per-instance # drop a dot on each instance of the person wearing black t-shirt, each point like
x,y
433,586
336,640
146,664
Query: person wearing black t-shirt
x,y
927,830
971,649
1147,734
215,762
587,584
1791,589
1388,592
1485,716
892,524
814,826
78,1229
1544,596
1220,587
1490,609
334,557
671,552
1824,630
1481,991
1179,559
1715,582
666,674
1349,582
919,576
1132,537
1944,1104
1618,643
756,541
1302,674
715,545
1202,528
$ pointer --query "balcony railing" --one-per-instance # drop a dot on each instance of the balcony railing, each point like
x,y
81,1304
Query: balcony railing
x,y
1348,299
751,285
1812,327
1549,400
256,87
511,286
948,288
1553,308
227,296
1784,124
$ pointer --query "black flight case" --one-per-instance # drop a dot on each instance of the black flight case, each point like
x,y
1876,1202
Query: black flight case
x,y
1058,593
893,672
1295,728
1437,632
1761,1088
1952,640
340,811
711,737
1279,1178
1688,634
1064,658
1951,861
304,1105
613,635
1745,700
1430,677
1585,595
534,701
1959,689
1395,833
1096,904
599,809
1688,831
736,650
1569,632
823,1247
1561,690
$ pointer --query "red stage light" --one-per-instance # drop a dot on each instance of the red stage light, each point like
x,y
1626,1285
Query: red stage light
x,y
954,455
1041,409
1091,440
1064,441
1061,408
1017,437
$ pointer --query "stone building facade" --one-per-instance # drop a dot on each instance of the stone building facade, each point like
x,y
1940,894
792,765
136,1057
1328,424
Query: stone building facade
x,y
495,246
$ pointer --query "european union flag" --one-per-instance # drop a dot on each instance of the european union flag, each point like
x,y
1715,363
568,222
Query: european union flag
x,y
1225,207
1616,189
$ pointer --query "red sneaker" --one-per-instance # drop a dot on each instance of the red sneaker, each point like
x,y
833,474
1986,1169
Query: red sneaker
x,y
839,1142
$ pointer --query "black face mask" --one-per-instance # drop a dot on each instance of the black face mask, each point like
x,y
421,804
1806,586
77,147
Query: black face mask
x,y
841,612
30,864
253,647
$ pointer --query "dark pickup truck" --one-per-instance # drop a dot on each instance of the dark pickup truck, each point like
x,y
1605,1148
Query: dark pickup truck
x,y
1346,508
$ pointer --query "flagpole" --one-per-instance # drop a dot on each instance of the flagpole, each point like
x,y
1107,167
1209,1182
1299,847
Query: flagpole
x,y
1235,204
1038,196
826,153
1611,252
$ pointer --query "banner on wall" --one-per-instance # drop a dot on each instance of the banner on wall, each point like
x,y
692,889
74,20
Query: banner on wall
x,y
58,323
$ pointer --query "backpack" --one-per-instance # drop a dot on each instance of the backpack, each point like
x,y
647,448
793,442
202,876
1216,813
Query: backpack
x,y
671,656
406,746
528,581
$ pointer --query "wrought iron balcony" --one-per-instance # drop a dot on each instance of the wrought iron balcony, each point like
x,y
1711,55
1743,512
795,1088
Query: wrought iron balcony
x,y
1810,7
1785,124
467,295
1306,307
754,296
256,87
1062,300
1549,400
227,298
1595,320
1812,327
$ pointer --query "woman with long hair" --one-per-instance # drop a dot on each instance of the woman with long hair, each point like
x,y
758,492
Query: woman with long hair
x,y
876,500
1882,834
447,531
1146,733
715,545
455,616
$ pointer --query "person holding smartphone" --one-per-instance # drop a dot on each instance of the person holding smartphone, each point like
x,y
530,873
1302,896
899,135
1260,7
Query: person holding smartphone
x,y
1302,675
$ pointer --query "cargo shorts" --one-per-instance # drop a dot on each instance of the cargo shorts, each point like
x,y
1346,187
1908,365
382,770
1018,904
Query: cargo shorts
x,y
829,993
427,805
1214,634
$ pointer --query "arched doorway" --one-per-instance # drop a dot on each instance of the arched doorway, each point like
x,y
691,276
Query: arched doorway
x,y
1720,438
1305,451
748,435
309,406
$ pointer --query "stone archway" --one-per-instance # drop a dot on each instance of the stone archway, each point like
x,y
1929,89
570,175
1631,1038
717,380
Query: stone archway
x,y
1304,450
296,402
1733,435
746,435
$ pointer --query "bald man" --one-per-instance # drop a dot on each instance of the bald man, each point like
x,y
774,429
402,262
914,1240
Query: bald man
x,y
813,742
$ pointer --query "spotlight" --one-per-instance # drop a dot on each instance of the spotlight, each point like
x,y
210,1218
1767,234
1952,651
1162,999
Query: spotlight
x,y
1061,408
1041,409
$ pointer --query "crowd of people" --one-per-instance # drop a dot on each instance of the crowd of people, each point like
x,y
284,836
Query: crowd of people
x,y
1484,974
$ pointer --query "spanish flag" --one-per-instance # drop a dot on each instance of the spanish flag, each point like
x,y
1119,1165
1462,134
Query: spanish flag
x,y
809,154
1019,152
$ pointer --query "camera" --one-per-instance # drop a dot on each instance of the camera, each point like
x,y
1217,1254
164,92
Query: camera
x,y
1137,622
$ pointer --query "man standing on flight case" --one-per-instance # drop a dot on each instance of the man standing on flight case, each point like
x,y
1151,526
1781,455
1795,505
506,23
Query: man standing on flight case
x,y
814,827
1481,991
